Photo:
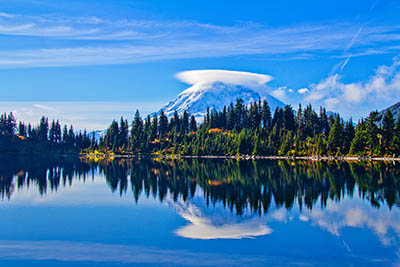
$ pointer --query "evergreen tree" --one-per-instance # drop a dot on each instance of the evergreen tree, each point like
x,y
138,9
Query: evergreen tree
x,y
387,132
359,142
52,132
58,136
288,118
162,124
123,133
22,129
64,134
185,123
111,138
137,133
43,129
193,124
373,131
349,133
71,136
396,138
336,137
300,123
266,116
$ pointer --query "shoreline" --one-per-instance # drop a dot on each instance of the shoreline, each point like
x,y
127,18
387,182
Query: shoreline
x,y
252,157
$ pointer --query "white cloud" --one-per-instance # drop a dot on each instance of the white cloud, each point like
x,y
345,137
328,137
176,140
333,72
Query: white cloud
x,y
279,93
205,230
379,91
303,218
337,217
303,90
279,215
213,223
231,77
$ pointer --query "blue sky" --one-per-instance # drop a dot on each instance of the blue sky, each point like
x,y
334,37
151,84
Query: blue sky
x,y
340,54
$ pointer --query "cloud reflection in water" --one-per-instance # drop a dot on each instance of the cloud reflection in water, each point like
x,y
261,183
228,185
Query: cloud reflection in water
x,y
216,222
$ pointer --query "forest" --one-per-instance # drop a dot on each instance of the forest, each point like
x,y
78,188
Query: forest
x,y
43,138
238,129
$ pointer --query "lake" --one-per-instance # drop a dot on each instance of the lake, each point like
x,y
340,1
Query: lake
x,y
70,211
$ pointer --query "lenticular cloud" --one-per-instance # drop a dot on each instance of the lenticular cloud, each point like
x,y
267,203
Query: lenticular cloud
x,y
226,76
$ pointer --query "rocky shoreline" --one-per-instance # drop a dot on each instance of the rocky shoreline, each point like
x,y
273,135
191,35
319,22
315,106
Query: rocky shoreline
x,y
253,157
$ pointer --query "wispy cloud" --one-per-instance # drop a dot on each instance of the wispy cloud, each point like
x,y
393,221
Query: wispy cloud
x,y
106,254
73,41
380,89
83,115
44,107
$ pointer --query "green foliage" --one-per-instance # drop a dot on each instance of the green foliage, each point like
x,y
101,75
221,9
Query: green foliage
x,y
43,138
238,129
336,137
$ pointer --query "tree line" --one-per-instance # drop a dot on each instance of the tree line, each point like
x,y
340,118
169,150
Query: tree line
x,y
44,137
240,129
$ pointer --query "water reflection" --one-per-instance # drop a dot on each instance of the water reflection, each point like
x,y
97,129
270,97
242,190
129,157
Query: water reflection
x,y
239,186
312,209
216,222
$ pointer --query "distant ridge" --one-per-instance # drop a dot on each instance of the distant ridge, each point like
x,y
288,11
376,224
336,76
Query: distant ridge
x,y
395,109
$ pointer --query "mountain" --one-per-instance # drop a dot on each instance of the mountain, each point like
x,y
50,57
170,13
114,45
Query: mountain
x,y
98,134
216,95
395,109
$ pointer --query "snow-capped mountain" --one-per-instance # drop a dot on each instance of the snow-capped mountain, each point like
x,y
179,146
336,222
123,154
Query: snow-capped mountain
x,y
215,95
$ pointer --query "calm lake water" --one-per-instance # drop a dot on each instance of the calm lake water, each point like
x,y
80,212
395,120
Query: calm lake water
x,y
81,212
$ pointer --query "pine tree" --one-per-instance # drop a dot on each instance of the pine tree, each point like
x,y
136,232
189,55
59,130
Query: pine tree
x,y
349,133
266,116
387,132
22,129
123,133
396,138
71,136
359,142
137,133
43,129
300,123
162,124
288,118
336,136
373,131
185,123
58,137
193,124
111,138
64,134
52,132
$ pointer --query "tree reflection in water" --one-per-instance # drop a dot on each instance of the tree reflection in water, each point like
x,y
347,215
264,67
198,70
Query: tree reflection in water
x,y
241,185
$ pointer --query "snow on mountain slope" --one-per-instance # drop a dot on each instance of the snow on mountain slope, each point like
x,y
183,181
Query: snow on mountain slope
x,y
218,88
